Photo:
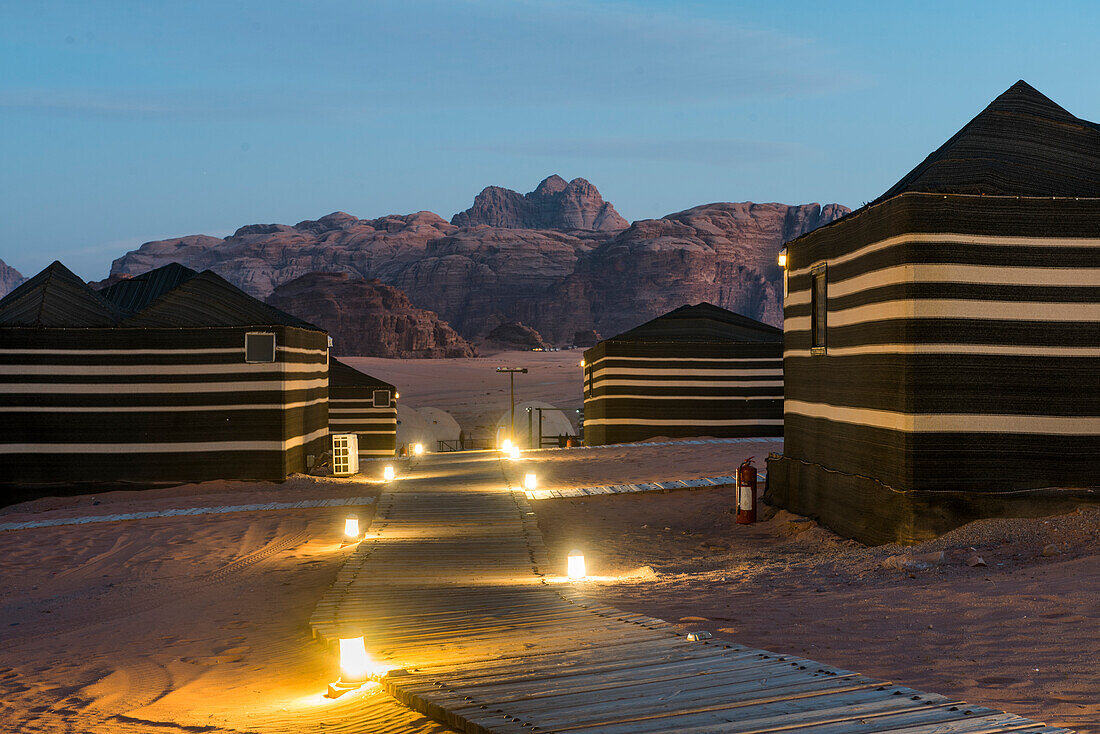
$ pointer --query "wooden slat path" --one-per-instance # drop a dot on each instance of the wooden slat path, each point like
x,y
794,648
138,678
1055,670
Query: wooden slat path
x,y
453,587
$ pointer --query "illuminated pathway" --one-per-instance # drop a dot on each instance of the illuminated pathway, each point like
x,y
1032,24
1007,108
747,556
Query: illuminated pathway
x,y
453,587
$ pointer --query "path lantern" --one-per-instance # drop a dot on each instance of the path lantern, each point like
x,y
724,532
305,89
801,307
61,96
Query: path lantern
x,y
575,565
388,473
351,527
354,661
529,481
418,449
513,453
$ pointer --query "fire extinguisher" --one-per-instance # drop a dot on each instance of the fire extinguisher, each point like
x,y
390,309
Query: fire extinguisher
x,y
746,492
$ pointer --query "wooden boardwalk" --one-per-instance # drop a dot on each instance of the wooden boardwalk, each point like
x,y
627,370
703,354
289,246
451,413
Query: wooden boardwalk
x,y
454,588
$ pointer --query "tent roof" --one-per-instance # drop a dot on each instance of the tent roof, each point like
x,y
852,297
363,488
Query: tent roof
x,y
208,299
1022,144
134,294
342,375
57,297
702,322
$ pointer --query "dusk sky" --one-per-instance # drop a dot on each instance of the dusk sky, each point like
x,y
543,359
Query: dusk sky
x,y
128,122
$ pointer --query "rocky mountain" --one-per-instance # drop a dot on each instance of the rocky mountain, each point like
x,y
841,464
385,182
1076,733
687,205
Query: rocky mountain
x,y
555,204
513,335
366,318
9,278
556,280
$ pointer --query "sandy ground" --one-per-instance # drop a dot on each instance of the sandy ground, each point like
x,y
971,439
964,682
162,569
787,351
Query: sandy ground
x,y
200,624
1020,633
182,624
473,392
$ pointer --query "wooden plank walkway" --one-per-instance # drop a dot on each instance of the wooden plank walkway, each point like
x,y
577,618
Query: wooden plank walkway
x,y
453,587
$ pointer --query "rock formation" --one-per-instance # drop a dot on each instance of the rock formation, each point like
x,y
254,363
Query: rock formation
x,y
366,318
555,204
556,279
513,335
9,278
586,338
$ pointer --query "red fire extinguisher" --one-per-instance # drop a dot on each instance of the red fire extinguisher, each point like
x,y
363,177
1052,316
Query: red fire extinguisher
x,y
746,492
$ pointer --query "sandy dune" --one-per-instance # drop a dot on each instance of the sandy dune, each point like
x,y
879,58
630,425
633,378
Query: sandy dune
x,y
473,392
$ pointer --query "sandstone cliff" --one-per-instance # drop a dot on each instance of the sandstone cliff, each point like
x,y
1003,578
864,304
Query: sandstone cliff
x,y
556,280
366,318
9,278
554,204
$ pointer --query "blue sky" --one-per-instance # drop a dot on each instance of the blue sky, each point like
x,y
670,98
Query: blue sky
x,y
126,122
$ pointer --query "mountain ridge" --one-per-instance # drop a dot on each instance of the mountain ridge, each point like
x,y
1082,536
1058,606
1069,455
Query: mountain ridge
x,y
558,281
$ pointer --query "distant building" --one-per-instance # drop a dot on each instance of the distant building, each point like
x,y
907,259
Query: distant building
x,y
170,376
697,371
942,344
364,405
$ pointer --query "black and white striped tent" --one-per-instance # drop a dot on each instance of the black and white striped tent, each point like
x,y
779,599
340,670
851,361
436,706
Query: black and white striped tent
x,y
697,371
363,405
942,344
173,375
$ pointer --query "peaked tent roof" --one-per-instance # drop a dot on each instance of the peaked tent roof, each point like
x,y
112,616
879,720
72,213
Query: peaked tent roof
x,y
342,375
134,294
1022,144
56,297
208,299
703,322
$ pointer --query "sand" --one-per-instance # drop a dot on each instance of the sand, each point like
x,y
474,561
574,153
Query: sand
x,y
1021,633
473,392
178,624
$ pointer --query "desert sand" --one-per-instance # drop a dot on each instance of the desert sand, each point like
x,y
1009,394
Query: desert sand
x,y
1020,633
200,623
473,392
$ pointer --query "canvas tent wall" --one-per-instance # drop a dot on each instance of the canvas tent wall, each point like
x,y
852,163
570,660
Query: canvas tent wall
x,y
950,371
698,370
364,405
171,376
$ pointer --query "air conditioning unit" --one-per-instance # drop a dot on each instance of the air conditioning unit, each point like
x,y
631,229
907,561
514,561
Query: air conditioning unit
x,y
345,454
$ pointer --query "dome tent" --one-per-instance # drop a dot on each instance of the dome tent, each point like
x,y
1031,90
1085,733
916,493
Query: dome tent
x,y
554,423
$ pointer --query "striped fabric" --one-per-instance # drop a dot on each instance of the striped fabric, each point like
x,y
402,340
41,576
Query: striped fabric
x,y
960,371
634,390
364,405
962,354
158,404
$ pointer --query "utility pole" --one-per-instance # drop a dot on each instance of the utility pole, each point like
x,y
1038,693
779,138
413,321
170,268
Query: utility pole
x,y
512,413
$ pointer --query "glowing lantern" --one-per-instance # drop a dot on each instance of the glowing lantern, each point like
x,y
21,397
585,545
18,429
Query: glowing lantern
x,y
397,396
529,481
575,565
388,474
513,453
355,664
506,446
582,363
351,527
782,259
418,449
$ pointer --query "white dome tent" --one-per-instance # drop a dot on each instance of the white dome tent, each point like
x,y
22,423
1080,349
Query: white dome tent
x,y
554,423
427,426
443,426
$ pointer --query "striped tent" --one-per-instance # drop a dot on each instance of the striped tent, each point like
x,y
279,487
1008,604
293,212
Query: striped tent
x,y
697,371
364,405
173,375
942,344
